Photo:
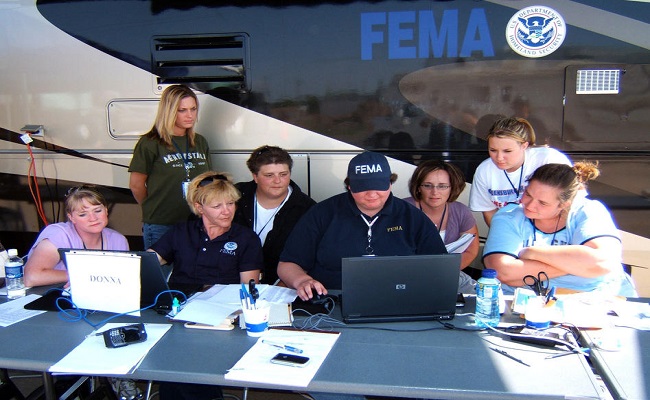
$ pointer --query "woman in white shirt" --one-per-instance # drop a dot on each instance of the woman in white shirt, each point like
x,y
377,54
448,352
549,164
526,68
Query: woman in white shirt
x,y
501,179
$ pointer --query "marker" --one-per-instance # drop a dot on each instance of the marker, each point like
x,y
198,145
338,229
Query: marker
x,y
503,352
283,346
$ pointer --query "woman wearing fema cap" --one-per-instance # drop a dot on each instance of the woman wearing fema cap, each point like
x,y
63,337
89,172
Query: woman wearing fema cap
x,y
367,220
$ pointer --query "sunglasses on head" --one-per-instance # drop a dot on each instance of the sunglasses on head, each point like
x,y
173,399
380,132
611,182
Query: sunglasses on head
x,y
209,179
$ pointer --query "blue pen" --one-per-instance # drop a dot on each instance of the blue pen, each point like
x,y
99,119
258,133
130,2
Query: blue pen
x,y
245,297
283,346
551,294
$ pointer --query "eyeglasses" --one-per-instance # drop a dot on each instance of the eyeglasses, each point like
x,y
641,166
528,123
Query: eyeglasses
x,y
75,189
428,186
209,179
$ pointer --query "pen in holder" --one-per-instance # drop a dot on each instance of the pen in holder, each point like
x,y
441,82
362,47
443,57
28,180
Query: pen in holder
x,y
257,318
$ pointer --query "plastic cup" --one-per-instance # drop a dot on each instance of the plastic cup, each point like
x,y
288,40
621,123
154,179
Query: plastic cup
x,y
537,315
257,319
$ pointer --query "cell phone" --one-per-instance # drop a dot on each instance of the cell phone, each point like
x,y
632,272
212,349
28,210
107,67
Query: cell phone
x,y
460,300
291,360
124,335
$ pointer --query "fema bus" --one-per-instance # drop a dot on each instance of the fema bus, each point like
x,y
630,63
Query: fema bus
x,y
80,81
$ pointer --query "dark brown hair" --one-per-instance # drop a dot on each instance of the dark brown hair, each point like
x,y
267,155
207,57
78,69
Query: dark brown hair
x,y
456,178
266,155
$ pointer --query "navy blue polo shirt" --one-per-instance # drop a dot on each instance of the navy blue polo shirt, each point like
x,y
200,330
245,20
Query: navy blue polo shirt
x,y
197,259
334,229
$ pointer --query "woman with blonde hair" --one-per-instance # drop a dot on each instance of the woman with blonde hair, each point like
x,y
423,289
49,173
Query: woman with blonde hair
x,y
165,160
211,249
558,230
86,228
501,179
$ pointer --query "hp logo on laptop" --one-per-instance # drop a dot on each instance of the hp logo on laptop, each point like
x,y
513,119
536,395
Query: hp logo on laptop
x,y
400,286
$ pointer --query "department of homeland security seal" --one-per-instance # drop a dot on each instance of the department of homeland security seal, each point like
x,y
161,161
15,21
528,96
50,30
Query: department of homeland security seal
x,y
535,31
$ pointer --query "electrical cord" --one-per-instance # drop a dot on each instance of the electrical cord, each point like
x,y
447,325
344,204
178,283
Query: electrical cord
x,y
324,322
76,314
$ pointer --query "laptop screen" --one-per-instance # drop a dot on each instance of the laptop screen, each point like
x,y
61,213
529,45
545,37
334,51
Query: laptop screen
x,y
399,288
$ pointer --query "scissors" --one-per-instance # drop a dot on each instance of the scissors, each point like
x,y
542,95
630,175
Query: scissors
x,y
254,293
539,284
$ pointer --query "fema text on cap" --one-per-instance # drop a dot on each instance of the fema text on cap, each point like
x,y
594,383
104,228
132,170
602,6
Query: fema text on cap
x,y
367,169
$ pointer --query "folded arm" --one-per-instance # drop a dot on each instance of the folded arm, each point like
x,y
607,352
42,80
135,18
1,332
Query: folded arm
x,y
511,270
592,259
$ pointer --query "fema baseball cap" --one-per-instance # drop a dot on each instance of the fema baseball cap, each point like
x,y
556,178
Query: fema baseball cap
x,y
369,171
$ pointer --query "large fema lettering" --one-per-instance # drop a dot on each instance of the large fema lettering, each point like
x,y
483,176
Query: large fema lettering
x,y
425,34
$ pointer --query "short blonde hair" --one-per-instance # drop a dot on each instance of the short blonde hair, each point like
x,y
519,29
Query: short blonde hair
x,y
210,186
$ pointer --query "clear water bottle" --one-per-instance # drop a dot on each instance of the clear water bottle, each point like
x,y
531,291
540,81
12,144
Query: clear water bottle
x,y
487,299
14,275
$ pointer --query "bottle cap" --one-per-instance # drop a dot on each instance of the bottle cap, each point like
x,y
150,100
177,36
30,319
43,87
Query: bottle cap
x,y
12,252
489,273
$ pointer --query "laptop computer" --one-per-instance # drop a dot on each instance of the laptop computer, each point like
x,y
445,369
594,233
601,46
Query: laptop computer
x,y
399,288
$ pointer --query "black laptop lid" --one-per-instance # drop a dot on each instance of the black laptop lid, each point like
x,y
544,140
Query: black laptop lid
x,y
152,279
399,288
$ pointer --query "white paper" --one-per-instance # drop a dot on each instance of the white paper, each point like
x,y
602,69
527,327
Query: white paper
x,y
92,357
13,310
104,281
278,294
206,312
214,305
461,244
256,366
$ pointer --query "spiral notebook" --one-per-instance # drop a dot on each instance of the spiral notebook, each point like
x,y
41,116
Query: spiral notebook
x,y
280,316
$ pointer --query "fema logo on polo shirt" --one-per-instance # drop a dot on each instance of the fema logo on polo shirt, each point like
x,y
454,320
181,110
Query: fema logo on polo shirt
x,y
535,31
229,248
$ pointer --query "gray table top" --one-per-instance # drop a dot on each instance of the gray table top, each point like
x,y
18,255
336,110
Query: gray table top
x,y
379,359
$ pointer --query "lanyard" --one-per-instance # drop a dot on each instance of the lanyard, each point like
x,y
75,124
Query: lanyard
x,y
444,211
188,165
369,249
521,174
557,224
272,216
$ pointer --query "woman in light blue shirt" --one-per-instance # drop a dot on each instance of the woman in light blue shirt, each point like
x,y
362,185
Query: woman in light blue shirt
x,y
558,230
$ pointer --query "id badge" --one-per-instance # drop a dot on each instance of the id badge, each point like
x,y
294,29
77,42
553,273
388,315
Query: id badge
x,y
186,186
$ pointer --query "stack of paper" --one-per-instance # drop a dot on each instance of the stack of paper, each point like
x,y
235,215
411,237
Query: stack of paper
x,y
214,305
461,244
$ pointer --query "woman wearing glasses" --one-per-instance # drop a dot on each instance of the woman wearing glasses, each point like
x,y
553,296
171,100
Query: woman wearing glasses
x,y
434,187
86,228
211,249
